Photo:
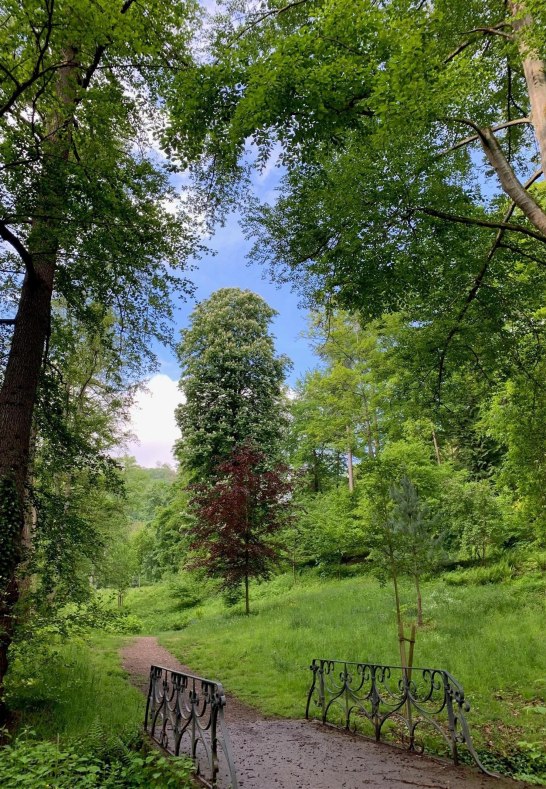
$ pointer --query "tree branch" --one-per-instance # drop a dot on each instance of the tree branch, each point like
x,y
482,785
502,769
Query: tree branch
x,y
99,52
478,282
467,220
509,182
495,30
7,321
259,19
37,71
476,137
17,245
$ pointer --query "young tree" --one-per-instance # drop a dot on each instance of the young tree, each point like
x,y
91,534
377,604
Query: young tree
x,y
412,526
232,381
237,517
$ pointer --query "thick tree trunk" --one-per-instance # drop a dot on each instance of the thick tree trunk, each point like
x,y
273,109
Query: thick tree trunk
x,y
17,398
534,70
23,368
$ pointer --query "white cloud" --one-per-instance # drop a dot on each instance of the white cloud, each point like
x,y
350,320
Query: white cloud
x,y
152,422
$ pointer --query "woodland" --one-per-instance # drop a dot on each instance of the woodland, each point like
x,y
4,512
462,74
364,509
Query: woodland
x,y
394,500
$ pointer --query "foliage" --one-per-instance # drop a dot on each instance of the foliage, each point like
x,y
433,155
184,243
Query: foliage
x,y
232,382
162,545
403,217
147,489
238,517
36,764
328,528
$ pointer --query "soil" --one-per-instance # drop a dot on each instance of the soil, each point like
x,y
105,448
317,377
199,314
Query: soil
x,y
275,753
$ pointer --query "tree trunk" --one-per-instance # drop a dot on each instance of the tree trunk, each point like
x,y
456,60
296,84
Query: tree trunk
x,y
247,598
535,76
419,602
316,477
23,368
350,470
436,448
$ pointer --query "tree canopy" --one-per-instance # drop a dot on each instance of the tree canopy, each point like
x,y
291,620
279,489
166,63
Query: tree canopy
x,y
232,381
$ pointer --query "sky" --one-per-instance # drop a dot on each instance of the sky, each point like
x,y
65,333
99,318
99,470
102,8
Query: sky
x,y
152,417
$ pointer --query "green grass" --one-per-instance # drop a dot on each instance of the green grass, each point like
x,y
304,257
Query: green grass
x,y
68,688
489,636
80,720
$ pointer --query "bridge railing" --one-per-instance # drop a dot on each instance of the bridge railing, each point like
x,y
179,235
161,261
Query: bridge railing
x,y
185,714
347,694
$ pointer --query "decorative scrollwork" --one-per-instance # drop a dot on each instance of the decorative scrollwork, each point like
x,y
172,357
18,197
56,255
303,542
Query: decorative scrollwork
x,y
185,714
346,694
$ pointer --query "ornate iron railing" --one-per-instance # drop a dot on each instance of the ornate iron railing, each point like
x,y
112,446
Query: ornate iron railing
x,y
347,694
185,714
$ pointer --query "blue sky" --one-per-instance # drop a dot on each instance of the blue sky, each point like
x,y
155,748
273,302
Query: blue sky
x,y
152,418
230,267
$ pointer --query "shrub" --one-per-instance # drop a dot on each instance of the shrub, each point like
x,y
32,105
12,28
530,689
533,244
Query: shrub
x,y
38,764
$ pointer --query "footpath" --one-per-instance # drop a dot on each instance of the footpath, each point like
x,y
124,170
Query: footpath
x,y
275,753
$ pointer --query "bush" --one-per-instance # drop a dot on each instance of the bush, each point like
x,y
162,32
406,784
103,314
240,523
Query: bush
x,y
36,764
480,576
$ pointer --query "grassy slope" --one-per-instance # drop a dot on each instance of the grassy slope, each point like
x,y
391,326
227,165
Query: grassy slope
x,y
490,637
77,686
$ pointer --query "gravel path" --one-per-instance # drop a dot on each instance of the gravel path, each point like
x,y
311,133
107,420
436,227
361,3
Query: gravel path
x,y
274,753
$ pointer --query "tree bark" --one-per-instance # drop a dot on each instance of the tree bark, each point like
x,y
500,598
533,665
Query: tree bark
x,y
419,602
350,470
247,597
24,364
436,448
535,75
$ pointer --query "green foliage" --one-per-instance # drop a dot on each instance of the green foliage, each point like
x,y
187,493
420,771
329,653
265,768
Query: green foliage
x,y
35,764
147,489
232,381
328,528
171,604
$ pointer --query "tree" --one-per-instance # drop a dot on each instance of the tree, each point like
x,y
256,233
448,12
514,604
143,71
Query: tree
x,y
414,532
237,517
232,382
84,208
385,116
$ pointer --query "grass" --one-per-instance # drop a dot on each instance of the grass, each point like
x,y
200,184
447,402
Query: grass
x,y
68,688
490,636
80,721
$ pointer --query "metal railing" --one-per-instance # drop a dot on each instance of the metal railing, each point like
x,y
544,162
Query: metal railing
x,y
346,694
185,714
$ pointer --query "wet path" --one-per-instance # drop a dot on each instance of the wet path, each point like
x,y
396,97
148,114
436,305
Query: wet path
x,y
274,753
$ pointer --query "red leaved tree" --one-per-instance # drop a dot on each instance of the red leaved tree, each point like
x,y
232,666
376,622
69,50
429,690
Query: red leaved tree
x,y
237,518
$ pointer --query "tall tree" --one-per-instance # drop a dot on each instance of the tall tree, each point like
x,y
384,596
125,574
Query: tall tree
x,y
385,116
232,381
84,210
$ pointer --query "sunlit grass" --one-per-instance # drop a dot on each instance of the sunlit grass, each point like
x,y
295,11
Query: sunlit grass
x,y
491,638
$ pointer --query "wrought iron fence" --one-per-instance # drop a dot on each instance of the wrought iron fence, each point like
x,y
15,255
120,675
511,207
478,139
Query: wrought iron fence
x,y
185,714
348,694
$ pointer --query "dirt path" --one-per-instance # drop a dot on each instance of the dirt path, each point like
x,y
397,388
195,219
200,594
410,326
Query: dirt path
x,y
273,753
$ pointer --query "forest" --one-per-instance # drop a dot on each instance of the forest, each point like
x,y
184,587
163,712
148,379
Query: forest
x,y
390,505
